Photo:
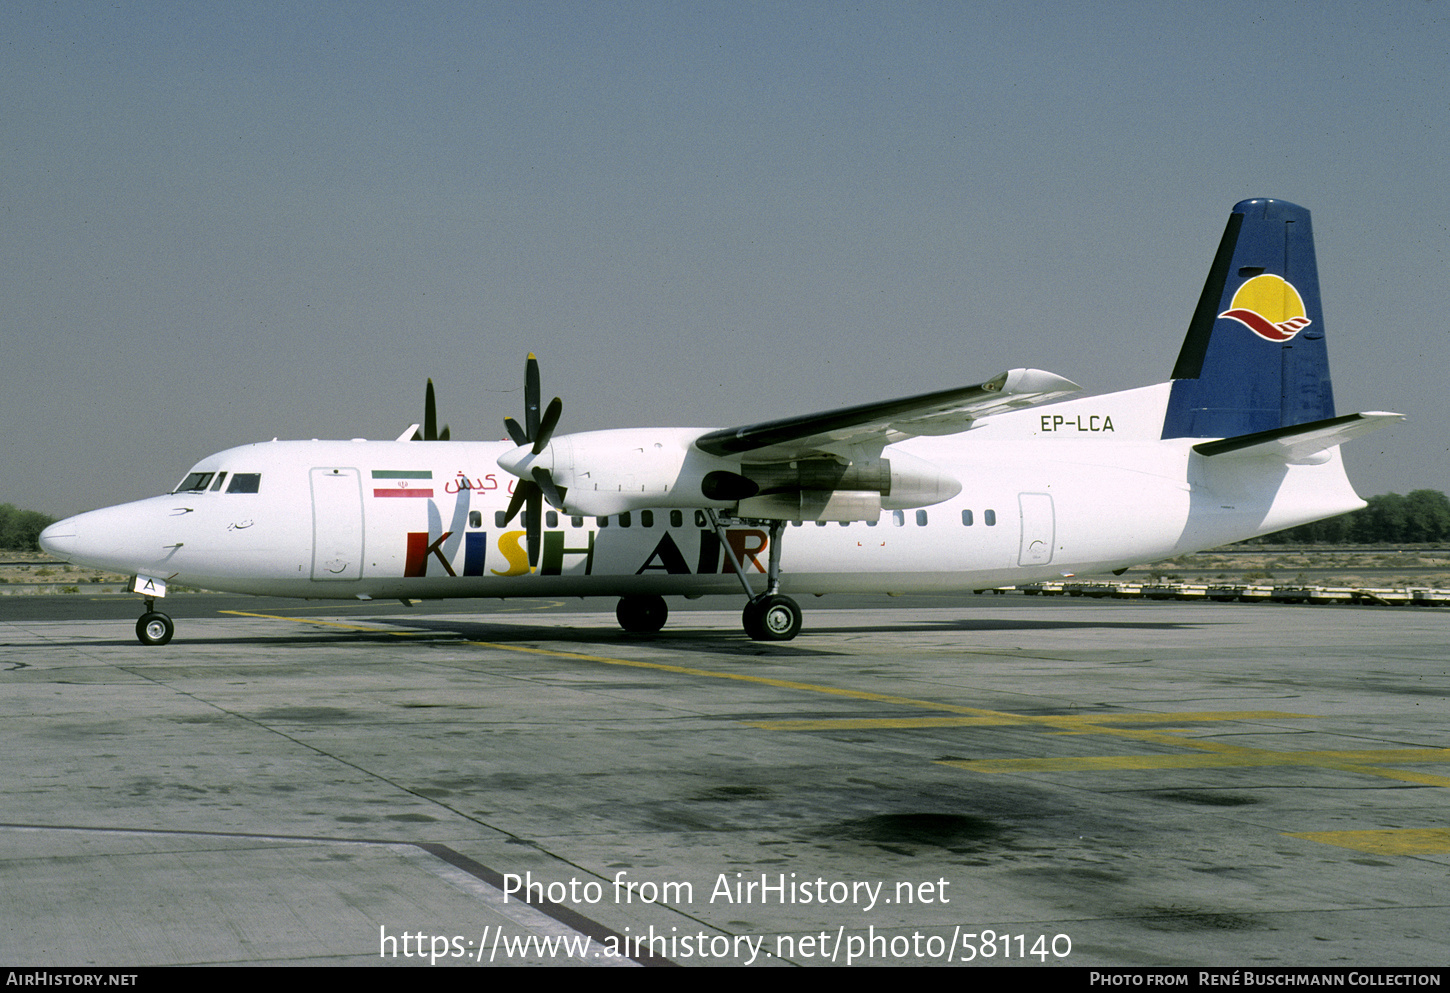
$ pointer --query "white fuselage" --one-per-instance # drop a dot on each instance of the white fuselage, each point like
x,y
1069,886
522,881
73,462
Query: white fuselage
x,y
1072,488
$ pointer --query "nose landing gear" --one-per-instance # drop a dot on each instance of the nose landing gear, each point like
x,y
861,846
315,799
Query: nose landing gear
x,y
154,628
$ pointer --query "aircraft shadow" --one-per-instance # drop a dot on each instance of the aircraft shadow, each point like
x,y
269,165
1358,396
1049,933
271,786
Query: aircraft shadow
x,y
718,642
681,638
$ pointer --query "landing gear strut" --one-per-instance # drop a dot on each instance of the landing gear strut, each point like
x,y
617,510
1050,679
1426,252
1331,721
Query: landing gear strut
x,y
154,628
771,616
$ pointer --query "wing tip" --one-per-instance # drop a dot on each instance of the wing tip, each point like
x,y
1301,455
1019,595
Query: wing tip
x,y
1036,381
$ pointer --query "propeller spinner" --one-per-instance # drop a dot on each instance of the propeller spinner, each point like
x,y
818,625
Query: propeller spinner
x,y
538,484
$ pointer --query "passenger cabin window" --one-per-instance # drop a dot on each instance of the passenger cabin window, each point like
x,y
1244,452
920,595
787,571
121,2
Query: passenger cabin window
x,y
990,517
677,519
898,518
475,518
245,482
966,518
921,518
646,518
551,519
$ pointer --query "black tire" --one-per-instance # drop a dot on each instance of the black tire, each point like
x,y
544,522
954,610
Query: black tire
x,y
642,614
154,628
772,617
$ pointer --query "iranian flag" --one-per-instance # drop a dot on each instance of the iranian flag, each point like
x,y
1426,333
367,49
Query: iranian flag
x,y
402,483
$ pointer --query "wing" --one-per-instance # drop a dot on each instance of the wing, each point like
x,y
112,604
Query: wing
x,y
872,426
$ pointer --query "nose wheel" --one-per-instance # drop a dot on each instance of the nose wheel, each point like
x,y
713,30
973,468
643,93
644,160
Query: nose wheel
x,y
154,628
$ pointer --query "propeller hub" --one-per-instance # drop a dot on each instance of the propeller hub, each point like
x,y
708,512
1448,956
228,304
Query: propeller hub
x,y
522,460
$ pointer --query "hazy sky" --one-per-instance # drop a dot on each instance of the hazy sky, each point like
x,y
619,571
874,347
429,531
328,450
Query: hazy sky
x,y
228,222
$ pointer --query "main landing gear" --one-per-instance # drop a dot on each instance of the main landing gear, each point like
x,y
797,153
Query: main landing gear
x,y
771,616
767,617
641,614
154,628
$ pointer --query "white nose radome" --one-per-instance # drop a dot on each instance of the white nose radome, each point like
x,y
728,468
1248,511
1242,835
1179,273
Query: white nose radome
x,y
61,537
125,538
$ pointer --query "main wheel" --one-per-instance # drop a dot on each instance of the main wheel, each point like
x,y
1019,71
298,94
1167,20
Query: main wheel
x,y
154,628
772,617
642,613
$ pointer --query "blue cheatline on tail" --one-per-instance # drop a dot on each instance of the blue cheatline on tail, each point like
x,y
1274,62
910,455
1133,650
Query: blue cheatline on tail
x,y
1255,358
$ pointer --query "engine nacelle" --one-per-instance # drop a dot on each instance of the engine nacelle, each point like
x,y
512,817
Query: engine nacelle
x,y
609,472
902,481
917,483
602,473
814,505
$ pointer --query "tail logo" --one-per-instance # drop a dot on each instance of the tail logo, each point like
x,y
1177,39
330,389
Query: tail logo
x,y
1270,307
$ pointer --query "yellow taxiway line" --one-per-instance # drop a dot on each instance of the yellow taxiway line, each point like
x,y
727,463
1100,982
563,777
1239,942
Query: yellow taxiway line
x,y
1203,754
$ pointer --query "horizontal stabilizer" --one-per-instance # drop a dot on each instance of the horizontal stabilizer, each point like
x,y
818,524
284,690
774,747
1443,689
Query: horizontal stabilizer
x,y
874,425
1299,442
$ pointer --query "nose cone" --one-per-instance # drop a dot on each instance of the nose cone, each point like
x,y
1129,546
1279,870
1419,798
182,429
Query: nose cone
x,y
60,538
130,537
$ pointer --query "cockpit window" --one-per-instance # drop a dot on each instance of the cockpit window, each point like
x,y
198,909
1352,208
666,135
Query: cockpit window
x,y
196,482
241,482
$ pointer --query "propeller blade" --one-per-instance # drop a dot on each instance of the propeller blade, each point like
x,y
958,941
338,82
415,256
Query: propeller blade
x,y
547,425
443,435
531,491
515,432
531,397
534,524
516,503
545,481
430,415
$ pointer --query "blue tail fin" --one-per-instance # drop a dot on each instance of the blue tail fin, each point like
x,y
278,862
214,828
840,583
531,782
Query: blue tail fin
x,y
1254,358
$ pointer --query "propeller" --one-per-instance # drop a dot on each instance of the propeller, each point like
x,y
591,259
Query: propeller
x,y
532,490
430,430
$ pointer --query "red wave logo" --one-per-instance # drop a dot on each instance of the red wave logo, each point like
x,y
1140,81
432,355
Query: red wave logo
x,y
1265,328
1270,307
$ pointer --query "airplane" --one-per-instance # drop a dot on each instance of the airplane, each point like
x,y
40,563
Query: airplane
x,y
994,484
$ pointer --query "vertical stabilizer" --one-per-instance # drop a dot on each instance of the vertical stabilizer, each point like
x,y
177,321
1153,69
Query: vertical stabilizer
x,y
1254,358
